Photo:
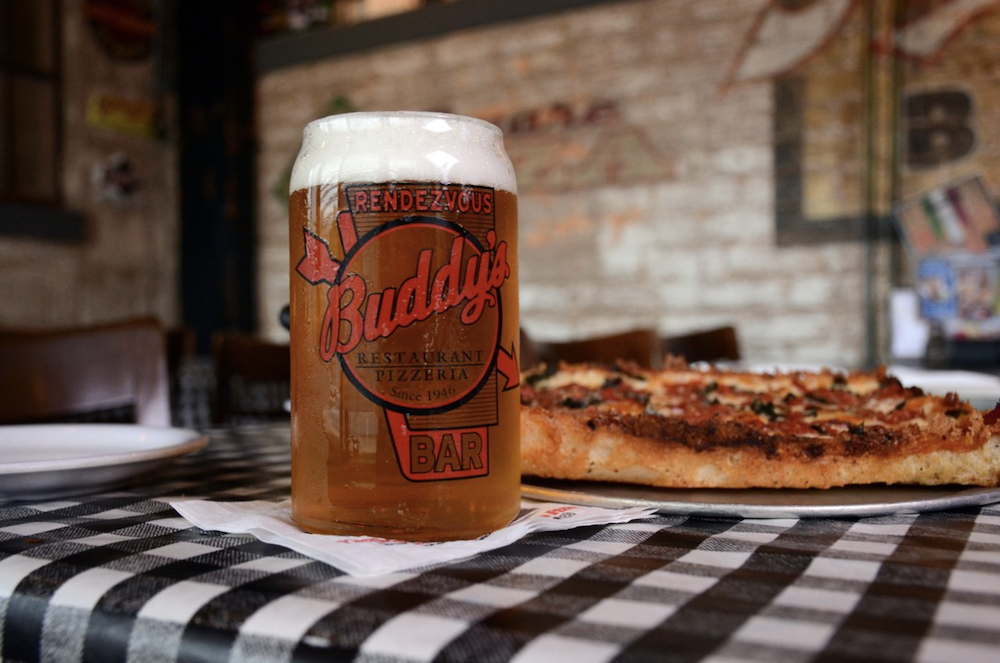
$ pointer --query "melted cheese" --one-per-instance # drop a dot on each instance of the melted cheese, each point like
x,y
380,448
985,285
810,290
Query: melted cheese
x,y
590,378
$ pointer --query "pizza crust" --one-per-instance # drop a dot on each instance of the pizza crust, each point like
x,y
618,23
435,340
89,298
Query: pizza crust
x,y
560,444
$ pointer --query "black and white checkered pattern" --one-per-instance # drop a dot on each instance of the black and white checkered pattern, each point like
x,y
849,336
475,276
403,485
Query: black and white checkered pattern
x,y
121,577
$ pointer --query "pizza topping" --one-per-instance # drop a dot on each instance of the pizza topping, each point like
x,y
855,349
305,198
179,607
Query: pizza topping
x,y
850,413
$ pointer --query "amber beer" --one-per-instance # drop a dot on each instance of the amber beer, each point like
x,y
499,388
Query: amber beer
x,y
404,328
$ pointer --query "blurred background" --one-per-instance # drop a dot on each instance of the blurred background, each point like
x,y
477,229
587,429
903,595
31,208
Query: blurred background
x,y
681,165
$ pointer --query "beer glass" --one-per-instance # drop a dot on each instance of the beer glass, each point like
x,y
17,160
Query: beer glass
x,y
404,327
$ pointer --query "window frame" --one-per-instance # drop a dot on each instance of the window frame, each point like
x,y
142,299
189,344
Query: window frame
x,y
21,214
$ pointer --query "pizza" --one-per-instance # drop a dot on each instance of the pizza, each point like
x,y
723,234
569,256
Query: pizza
x,y
682,426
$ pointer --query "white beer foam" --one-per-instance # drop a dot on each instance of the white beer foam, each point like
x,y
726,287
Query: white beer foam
x,y
402,146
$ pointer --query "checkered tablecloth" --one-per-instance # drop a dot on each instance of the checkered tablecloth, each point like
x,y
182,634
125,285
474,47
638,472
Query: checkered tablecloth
x,y
121,577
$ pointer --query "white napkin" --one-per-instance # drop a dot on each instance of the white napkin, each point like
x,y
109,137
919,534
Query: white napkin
x,y
369,556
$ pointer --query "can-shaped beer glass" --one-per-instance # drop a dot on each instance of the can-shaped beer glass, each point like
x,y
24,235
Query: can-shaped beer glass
x,y
404,327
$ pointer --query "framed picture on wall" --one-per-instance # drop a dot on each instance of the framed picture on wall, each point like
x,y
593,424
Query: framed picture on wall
x,y
957,217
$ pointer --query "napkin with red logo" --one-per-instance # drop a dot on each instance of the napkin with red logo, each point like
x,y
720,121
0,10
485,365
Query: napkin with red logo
x,y
368,556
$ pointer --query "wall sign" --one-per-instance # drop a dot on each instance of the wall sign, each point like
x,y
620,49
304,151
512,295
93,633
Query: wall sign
x,y
939,127
125,29
116,180
135,117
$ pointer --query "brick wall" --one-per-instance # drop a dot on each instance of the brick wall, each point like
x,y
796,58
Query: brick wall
x,y
654,190
646,188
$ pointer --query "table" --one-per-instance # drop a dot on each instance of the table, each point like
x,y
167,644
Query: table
x,y
120,576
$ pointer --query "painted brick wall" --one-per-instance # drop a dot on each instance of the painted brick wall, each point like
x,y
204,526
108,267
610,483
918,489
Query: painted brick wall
x,y
646,176
657,213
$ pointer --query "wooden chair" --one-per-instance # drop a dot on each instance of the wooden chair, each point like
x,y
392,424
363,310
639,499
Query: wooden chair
x,y
180,352
252,378
639,345
115,372
710,345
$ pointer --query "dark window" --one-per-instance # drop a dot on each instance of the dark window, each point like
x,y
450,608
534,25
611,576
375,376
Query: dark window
x,y
30,134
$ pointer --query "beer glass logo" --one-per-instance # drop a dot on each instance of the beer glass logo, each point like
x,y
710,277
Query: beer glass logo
x,y
414,317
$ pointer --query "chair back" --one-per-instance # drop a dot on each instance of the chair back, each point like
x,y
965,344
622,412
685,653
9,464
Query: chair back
x,y
716,344
252,378
641,346
115,372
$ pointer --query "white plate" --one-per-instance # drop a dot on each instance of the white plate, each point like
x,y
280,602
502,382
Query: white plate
x,y
982,390
46,461
851,501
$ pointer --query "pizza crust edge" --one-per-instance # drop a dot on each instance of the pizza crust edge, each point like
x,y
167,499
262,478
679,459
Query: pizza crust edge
x,y
560,445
